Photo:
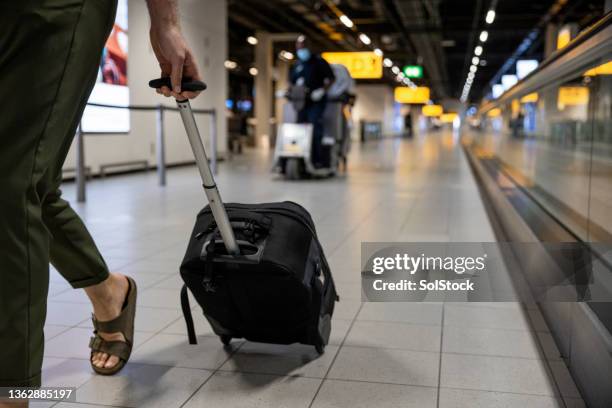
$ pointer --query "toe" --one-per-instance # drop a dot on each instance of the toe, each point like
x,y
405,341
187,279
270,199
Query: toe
x,y
102,360
111,362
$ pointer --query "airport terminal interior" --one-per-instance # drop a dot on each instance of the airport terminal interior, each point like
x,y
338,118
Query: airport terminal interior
x,y
473,122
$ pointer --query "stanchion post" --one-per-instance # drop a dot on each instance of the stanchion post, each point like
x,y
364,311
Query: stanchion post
x,y
80,165
161,147
213,141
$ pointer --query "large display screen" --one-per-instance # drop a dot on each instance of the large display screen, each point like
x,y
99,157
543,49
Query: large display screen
x,y
112,83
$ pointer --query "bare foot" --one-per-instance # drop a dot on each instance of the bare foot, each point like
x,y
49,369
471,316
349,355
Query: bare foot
x,y
107,299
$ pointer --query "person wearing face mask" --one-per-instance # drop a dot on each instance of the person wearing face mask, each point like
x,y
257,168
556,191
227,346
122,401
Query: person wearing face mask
x,y
314,73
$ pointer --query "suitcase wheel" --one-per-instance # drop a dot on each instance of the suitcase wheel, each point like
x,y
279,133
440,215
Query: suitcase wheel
x,y
320,347
225,339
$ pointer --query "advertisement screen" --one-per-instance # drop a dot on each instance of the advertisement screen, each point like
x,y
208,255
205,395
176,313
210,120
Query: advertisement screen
x,y
112,83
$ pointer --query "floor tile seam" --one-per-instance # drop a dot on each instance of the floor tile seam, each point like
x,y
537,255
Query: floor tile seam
x,y
352,231
440,357
314,397
453,353
215,371
555,396
549,369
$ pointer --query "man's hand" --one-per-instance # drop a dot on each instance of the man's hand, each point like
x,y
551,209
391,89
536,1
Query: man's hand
x,y
317,94
175,58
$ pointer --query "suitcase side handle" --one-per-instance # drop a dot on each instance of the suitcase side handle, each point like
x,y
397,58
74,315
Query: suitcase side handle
x,y
191,333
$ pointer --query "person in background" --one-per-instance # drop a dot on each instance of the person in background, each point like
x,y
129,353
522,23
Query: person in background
x,y
408,125
314,73
51,51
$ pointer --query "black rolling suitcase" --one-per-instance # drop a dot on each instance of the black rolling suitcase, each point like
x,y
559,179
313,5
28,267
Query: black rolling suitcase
x,y
257,270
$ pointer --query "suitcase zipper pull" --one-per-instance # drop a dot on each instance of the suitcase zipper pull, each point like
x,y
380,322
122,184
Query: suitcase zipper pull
x,y
249,231
209,284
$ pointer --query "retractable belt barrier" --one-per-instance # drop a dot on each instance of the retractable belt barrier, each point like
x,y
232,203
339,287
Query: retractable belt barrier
x,y
160,143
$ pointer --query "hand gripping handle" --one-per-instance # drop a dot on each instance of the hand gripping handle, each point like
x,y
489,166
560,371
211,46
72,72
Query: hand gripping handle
x,y
187,84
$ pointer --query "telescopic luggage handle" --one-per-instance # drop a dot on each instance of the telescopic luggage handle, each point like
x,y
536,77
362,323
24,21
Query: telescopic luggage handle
x,y
208,181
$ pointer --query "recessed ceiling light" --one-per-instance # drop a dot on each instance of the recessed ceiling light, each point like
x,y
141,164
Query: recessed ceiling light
x,y
378,52
490,16
475,61
286,55
252,40
346,21
230,64
253,71
365,39
478,50
484,35
387,63
473,68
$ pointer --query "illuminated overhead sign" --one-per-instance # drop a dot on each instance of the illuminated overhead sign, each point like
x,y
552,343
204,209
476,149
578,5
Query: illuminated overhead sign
x,y
361,65
524,67
532,97
448,117
413,71
516,108
415,95
493,113
603,69
432,110
564,37
572,96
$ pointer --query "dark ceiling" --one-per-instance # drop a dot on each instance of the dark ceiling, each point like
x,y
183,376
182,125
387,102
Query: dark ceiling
x,y
438,34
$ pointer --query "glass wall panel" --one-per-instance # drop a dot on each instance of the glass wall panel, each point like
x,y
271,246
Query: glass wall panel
x,y
545,141
600,206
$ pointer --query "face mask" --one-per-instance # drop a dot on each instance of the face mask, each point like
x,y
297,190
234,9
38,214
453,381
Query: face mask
x,y
303,54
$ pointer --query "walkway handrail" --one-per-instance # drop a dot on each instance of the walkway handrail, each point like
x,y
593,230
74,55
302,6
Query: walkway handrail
x,y
150,108
160,142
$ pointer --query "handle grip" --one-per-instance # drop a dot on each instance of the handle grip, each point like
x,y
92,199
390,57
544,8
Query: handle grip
x,y
187,84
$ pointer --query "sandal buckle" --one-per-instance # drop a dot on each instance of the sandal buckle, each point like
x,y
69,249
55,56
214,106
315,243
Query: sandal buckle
x,y
95,343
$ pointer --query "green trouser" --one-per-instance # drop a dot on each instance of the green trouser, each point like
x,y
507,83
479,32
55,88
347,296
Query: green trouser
x,y
50,52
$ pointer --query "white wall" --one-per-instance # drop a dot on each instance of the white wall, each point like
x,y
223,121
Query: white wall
x,y
374,103
204,24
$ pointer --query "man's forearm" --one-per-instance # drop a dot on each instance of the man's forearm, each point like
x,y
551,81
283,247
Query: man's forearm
x,y
163,12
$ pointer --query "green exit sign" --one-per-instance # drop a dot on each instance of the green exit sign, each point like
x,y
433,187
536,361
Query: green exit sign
x,y
413,71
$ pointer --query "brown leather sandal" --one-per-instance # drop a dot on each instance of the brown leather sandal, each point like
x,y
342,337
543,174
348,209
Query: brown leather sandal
x,y
124,324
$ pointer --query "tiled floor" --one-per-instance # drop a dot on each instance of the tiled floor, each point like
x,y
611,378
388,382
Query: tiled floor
x,y
380,354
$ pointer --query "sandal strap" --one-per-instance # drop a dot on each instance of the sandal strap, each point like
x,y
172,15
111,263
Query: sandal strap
x,y
117,325
120,349
124,322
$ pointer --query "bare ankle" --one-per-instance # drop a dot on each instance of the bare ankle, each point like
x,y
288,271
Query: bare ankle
x,y
106,293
